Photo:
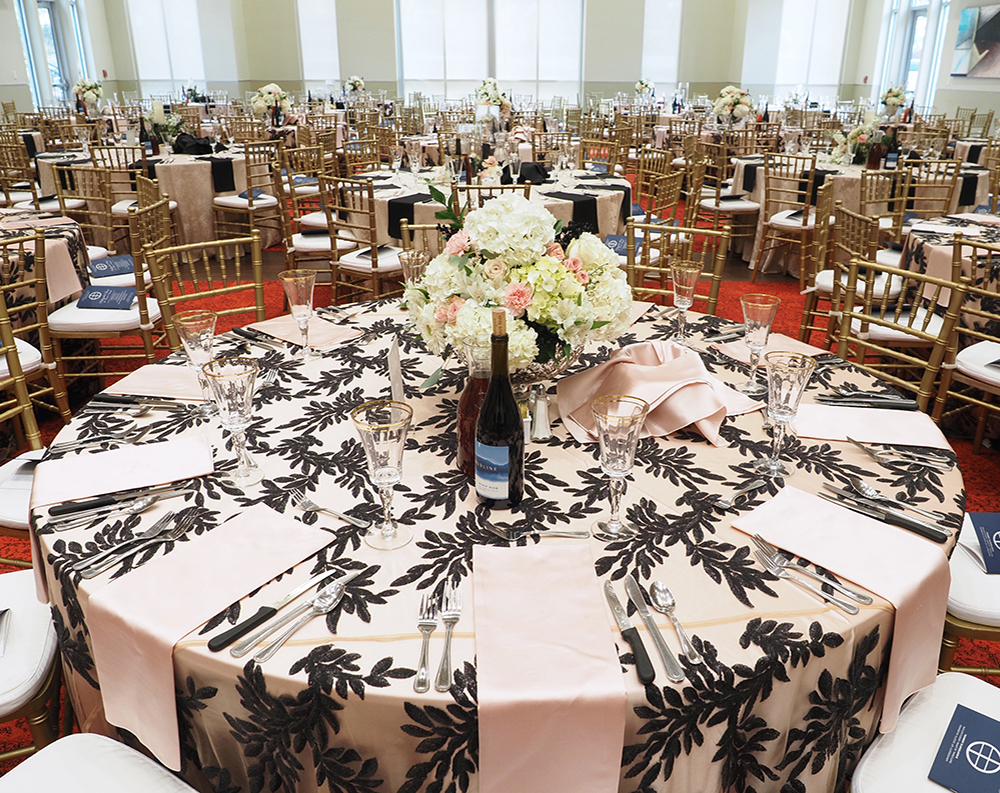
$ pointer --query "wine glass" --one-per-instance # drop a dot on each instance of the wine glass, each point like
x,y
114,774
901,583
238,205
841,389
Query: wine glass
x,y
233,381
383,425
758,314
685,276
413,263
299,290
197,332
788,374
618,420
515,162
397,159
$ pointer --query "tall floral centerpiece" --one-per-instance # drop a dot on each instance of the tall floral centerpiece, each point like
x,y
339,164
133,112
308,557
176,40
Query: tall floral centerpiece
x,y
855,146
354,85
270,99
491,101
164,131
733,104
645,87
87,92
892,99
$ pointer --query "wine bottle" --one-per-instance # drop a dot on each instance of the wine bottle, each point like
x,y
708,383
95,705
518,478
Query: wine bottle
x,y
500,431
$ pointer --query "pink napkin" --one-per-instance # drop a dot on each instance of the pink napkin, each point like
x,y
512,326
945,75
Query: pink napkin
x,y
670,377
84,475
868,425
133,627
552,702
910,572
322,334
639,308
776,342
173,382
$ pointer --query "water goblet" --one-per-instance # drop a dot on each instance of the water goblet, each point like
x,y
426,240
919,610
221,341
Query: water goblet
x,y
788,374
197,332
299,291
515,163
413,263
685,276
397,158
758,314
618,420
383,425
233,382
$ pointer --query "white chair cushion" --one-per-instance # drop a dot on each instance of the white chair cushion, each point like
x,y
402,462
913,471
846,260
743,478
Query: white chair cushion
x,y
31,641
52,204
974,595
235,202
73,319
653,256
889,258
15,492
388,261
880,333
300,189
120,208
313,220
319,242
678,162
900,760
824,283
17,196
89,763
96,253
973,359
30,358
733,206
783,220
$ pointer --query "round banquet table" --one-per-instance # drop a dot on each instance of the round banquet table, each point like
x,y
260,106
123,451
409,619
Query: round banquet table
x,y
790,691
65,250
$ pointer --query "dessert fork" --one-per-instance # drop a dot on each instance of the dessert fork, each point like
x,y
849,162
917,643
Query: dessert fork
x,y
451,612
784,560
427,621
775,569
303,502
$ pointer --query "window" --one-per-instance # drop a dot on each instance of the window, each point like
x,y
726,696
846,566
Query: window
x,y
318,41
167,43
812,33
539,47
78,39
439,57
916,36
53,50
938,49
661,40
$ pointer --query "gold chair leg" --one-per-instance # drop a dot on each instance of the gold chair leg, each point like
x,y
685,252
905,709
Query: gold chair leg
x,y
949,644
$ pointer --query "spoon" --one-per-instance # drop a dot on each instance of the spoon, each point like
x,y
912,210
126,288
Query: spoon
x,y
868,491
663,601
137,506
140,410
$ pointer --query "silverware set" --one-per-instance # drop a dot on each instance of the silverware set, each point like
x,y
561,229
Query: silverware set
x,y
166,529
123,438
513,536
449,610
886,513
771,566
891,458
302,501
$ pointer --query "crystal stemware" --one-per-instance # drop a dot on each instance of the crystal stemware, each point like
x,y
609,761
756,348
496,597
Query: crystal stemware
x,y
196,330
758,314
685,276
233,381
618,420
413,263
788,374
299,290
515,162
383,425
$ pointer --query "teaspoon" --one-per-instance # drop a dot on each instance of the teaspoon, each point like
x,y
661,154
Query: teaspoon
x,y
663,600
868,491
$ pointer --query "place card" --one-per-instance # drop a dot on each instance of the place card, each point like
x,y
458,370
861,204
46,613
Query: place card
x,y
968,758
617,243
112,265
987,525
119,298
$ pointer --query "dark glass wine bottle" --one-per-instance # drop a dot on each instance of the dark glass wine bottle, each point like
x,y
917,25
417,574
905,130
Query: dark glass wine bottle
x,y
500,431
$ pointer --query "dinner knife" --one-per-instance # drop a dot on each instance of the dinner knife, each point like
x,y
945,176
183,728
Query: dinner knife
x,y
670,663
643,666
135,399
264,613
861,402
72,507
873,510
268,343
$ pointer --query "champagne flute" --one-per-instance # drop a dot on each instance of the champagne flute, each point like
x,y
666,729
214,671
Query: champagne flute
x,y
515,162
197,332
233,381
758,314
618,420
685,276
383,425
299,290
788,374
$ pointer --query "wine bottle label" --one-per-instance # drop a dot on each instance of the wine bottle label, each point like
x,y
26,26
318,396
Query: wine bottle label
x,y
492,471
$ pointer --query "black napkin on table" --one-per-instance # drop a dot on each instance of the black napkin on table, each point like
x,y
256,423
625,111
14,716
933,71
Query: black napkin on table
x,y
186,143
974,151
66,179
625,189
584,208
150,170
533,172
223,180
750,175
29,144
970,183
402,207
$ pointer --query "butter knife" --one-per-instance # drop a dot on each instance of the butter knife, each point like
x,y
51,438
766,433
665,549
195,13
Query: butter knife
x,y
95,504
878,512
643,666
670,663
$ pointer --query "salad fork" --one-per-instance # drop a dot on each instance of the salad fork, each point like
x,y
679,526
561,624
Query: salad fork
x,y
303,502
784,560
427,621
170,535
775,569
451,612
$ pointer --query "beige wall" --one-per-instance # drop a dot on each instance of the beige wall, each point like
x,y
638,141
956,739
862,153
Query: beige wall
x,y
366,39
952,92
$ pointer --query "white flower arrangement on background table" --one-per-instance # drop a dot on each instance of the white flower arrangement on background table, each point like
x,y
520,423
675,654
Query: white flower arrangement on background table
x,y
489,93
858,140
355,84
269,97
733,103
167,130
894,96
87,90
645,86
506,254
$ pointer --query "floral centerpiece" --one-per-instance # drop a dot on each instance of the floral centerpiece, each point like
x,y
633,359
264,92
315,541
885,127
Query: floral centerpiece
x,y
733,104
355,84
167,130
893,98
271,99
855,146
506,254
645,87
192,94
87,91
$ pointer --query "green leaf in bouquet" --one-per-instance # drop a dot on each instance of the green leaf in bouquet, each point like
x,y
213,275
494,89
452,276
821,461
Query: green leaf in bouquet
x,y
599,324
432,381
558,225
548,342
438,196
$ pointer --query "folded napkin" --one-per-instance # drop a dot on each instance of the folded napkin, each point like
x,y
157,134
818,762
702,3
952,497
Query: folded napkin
x,y
894,427
157,380
907,570
671,378
639,308
125,468
584,208
322,334
530,667
133,627
943,228
776,342
402,207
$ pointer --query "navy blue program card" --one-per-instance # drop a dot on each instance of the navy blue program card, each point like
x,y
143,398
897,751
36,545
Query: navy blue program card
x,y
968,760
112,265
117,297
617,243
988,531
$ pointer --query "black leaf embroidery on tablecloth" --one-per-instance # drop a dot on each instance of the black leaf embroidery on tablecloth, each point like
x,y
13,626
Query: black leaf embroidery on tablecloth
x,y
450,736
191,700
220,779
448,555
74,649
447,490
676,465
335,670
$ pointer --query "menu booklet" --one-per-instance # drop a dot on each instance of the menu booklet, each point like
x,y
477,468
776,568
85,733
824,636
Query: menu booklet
x,y
968,759
987,525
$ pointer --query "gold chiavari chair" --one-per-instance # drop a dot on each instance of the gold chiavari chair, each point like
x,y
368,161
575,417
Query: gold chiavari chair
x,y
303,221
664,199
790,217
546,146
930,189
254,208
722,204
59,134
592,126
9,112
54,111
192,118
84,194
883,198
573,118
598,155
17,180
992,162
694,183
424,237
245,130
469,197
965,115
815,315
361,156
981,124
957,127
766,135
678,131
652,164
123,164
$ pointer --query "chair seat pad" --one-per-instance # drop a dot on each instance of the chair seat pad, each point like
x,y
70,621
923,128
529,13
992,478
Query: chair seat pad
x,y
824,283
96,253
880,333
783,220
30,358
52,205
31,641
678,162
974,595
654,254
901,759
235,202
120,208
90,763
300,189
319,242
17,196
15,498
388,261
730,207
124,279
313,220
889,258
973,360
73,319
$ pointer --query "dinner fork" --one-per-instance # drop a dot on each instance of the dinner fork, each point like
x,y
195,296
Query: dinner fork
x,y
169,536
128,436
427,621
784,560
451,612
775,569
270,378
303,502
152,531
890,458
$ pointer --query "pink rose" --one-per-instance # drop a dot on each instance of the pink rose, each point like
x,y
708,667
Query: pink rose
x,y
458,244
862,138
494,269
583,277
573,264
449,311
556,252
517,298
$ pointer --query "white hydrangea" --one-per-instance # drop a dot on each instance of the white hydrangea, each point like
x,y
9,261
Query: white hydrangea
x,y
513,227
